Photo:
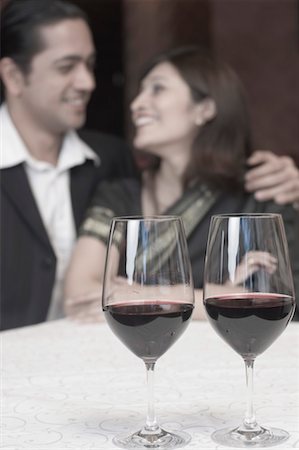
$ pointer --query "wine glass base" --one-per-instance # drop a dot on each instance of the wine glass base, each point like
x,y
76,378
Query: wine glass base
x,y
239,437
161,440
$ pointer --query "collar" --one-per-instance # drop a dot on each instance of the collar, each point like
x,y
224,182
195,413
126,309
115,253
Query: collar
x,y
74,151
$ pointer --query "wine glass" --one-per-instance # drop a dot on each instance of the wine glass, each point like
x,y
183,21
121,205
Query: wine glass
x,y
148,299
249,301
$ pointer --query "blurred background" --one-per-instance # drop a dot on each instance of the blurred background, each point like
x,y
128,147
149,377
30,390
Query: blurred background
x,y
259,38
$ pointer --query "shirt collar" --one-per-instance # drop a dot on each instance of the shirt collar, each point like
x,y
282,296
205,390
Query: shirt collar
x,y
74,150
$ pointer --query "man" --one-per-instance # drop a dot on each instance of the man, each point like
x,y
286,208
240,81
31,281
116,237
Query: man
x,y
273,178
48,171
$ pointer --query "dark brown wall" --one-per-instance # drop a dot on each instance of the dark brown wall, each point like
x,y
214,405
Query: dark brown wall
x,y
106,109
261,40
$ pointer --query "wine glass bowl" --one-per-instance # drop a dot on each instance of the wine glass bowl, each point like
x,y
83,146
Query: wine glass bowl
x,y
148,330
148,300
249,322
249,301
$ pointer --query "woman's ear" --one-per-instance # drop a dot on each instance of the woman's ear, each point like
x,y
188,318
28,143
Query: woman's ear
x,y
11,76
205,111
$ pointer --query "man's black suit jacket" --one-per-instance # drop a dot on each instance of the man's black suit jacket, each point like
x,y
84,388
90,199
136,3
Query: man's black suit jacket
x,y
28,262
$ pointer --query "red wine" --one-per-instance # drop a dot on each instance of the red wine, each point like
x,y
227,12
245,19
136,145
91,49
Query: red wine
x,y
148,329
249,322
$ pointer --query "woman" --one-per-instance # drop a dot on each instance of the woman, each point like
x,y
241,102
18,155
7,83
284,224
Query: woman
x,y
191,115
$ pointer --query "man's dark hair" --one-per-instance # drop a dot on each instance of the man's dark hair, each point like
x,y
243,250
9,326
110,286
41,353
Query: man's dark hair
x,y
20,25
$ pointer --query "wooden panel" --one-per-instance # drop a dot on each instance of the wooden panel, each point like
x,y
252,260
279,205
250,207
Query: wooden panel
x,y
260,40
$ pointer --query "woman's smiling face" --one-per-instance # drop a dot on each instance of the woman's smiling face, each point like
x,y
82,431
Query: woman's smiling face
x,y
164,113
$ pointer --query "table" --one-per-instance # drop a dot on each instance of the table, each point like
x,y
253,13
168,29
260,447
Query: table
x,y
73,386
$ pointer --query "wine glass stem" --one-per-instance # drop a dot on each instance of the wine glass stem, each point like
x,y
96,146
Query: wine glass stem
x,y
151,423
249,420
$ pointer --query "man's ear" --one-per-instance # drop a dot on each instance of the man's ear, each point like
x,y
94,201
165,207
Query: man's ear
x,y
11,76
205,111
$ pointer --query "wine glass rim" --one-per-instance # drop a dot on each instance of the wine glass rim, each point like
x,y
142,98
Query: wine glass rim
x,y
144,218
247,215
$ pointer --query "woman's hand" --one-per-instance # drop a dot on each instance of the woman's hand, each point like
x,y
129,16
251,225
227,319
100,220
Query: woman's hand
x,y
84,280
273,177
86,308
251,263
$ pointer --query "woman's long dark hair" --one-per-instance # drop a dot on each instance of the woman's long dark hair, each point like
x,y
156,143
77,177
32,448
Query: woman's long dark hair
x,y
222,145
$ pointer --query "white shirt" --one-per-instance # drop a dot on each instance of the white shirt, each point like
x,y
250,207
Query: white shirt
x,y
51,190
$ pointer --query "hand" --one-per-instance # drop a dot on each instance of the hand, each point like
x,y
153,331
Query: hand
x,y
251,263
274,178
86,308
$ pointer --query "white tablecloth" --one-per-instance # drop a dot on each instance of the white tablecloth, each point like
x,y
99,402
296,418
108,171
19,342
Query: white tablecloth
x,y
71,386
